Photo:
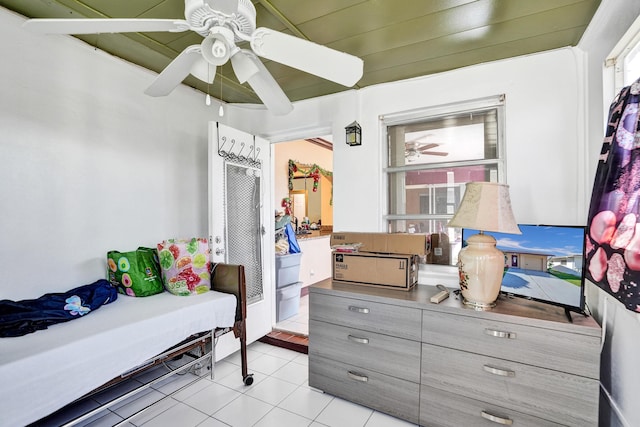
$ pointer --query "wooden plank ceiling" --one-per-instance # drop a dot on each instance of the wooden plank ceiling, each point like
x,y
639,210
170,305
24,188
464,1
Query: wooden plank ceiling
x,y
397,39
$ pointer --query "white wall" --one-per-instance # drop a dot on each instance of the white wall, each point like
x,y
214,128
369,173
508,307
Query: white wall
x,y
88,162
544,128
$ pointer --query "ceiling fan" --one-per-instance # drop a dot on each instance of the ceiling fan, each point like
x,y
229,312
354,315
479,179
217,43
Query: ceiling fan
x,y
416,148
223,23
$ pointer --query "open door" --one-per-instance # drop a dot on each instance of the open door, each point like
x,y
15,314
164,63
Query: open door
x,y
239,219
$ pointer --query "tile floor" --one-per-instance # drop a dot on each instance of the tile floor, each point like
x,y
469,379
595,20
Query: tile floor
x,y
298,323
280,396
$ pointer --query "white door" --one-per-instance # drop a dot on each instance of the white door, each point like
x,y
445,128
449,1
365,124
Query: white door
x,y
240,221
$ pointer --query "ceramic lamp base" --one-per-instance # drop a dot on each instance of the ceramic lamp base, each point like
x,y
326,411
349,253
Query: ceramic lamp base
x,y
481,266
480,306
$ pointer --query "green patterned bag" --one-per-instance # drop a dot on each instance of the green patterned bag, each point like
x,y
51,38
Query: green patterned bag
x,y
135,273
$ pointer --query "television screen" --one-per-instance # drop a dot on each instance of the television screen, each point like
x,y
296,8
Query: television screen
x,y
544,263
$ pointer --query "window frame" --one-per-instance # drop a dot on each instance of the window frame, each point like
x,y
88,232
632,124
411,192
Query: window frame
x,y
433,113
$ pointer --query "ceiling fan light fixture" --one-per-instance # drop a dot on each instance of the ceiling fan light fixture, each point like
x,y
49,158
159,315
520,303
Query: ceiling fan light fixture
x,y
215,47
243,65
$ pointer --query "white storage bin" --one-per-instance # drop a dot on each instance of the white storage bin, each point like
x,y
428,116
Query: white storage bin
x,y
287,269
287,301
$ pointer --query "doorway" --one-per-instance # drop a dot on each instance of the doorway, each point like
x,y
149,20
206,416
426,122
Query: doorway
x,y
312,218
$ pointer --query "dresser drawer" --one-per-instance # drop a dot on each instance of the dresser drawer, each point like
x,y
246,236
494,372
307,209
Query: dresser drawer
x,y
442,409
386,394
386,319
563,398
562,351
388,355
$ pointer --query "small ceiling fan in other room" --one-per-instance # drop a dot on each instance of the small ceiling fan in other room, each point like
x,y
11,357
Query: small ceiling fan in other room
x,y
223,23
417,147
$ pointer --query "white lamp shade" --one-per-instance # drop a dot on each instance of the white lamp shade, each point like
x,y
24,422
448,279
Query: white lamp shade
x,y
486,206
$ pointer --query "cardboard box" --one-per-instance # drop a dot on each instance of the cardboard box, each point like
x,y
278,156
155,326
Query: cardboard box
x,y
387,243
397,271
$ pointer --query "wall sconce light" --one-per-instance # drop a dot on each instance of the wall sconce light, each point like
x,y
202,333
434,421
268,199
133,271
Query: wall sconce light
x,y
354,134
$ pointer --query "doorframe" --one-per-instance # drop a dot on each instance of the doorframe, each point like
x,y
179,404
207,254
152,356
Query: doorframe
x,y
286,135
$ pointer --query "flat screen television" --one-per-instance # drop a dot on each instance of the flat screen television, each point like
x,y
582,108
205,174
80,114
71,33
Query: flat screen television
x,y
544,263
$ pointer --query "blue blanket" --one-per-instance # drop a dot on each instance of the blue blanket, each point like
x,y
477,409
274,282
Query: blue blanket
x,y
19,318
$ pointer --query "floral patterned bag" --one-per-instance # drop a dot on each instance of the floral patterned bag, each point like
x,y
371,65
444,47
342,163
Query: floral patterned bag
x,y
135,273
185,266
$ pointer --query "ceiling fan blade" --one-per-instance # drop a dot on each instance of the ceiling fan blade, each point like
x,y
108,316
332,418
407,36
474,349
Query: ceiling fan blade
x,y
175,72
434,153
204,71
95,26
428,146
265,86
307,56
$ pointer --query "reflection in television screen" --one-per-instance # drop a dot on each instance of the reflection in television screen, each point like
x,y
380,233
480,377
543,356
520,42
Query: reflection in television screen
x,y
544,263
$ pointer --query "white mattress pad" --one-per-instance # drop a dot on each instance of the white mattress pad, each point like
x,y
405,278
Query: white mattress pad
x,y
43,371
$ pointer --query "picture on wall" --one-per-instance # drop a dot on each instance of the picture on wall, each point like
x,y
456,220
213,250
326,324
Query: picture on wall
x,y
613,243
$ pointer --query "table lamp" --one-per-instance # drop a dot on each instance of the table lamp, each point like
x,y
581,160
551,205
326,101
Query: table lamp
x,y
485,206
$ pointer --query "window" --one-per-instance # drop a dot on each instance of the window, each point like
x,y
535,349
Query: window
x,y
625,57
432,154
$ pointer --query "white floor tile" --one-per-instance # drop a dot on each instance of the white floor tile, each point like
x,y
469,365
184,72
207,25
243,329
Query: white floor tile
x,y
175,382
280,418
292,372
224,368
268,364
244,411
235,381
306,402
178,415
212,398
212,422
341,413
283,353
116,391
236,358
302,359
191,390
271,390
135,403
155,410
379,419
107,419
259,347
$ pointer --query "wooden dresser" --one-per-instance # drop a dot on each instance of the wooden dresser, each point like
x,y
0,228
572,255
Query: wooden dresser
x,y
522,363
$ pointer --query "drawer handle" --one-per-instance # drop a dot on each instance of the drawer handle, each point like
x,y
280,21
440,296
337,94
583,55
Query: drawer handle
x,y
500,334
498,371
358,339
496,419
359,309
357,377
